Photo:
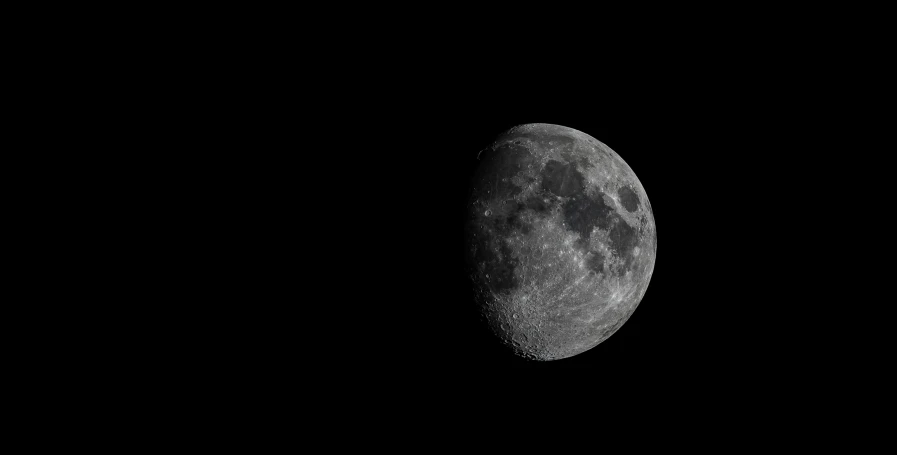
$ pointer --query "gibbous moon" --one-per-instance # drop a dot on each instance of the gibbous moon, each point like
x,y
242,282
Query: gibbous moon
x,y
561,241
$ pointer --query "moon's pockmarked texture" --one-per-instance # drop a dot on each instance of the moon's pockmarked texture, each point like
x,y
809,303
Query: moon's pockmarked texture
x,y
561,240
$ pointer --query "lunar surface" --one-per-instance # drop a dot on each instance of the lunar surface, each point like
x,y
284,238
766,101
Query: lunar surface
x,y
561,240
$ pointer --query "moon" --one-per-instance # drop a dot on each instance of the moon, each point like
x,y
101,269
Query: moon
x,y
560,240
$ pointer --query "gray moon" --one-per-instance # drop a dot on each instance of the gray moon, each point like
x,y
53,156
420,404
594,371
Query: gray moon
x,y
560,240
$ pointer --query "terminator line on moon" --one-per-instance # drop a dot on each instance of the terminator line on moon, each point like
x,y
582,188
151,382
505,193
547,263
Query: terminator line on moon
x,y
561,240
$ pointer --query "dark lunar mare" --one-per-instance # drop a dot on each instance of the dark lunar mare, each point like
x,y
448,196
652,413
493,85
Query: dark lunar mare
x,y
497,167
596,262
492,258
582,213
538,204
561,179
623,237
488,250
628,198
